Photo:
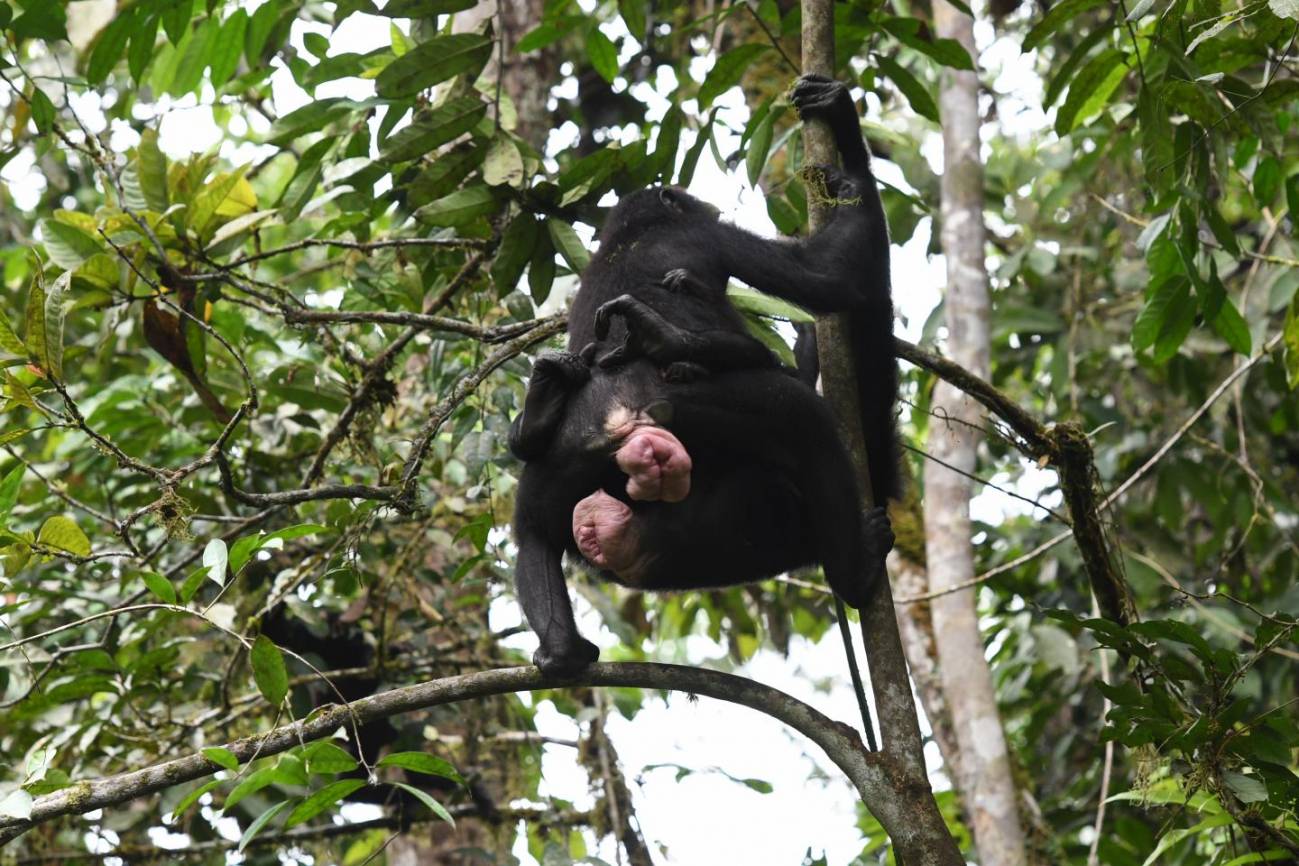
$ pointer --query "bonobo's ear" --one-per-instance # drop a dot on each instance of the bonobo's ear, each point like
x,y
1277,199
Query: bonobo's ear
x,y
669,198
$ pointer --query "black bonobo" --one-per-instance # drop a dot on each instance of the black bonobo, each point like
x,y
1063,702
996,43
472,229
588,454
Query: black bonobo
x,y
666,448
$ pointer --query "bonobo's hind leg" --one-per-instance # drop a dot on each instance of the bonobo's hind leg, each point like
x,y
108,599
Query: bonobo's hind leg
x,y
539,579
555,375
780,423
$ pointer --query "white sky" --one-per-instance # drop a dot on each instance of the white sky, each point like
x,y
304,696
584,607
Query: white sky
x,y
742,825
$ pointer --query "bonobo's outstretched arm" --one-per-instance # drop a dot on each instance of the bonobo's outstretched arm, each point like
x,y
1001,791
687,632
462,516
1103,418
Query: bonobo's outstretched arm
x,y
555,375
832,270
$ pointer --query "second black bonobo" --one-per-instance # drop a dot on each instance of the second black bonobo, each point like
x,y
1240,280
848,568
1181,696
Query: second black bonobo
x,y
725,470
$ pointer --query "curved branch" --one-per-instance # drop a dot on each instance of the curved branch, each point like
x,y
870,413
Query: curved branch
x,y
874,775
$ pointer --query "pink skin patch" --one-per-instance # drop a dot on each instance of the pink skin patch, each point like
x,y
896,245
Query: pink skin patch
x,y
603,530
657,465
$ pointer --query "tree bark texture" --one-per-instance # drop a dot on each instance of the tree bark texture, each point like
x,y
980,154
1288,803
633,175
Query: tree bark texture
x,y
985,778
927,840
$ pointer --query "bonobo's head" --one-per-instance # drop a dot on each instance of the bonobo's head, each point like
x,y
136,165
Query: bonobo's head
x,y
656,205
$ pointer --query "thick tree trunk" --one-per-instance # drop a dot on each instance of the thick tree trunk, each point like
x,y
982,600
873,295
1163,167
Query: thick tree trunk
x,y
985,778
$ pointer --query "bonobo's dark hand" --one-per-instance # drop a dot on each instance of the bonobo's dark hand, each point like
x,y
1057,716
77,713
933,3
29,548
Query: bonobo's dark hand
x,y
561,367
566,658
816,96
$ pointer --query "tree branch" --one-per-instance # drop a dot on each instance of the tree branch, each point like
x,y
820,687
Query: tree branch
x,y
878,778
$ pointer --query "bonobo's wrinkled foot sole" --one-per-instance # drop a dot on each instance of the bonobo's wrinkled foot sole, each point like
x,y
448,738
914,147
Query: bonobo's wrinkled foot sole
x,y
657,465
567,659
604,532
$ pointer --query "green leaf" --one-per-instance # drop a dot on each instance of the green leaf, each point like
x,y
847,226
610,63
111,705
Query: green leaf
x,y
175,19
445,173
191,798
268,670
947,52
1167,306
215,558
151,165
109,47
222,757
433,62
1248,789
250,785
68,245
41,20
1290,336
434,128
1231,326
261,821
9,493
260,26
1060,14
517,244
197,55
322,800
634,15
916,93
602,53
728,70
420,762
226,52
160,587
427,799
539,37
42,111
422,8
62,533
460,207
1267,181
324,757
144,45
541,271
568,244
1091,90
755,159
6,14
504,164
9,340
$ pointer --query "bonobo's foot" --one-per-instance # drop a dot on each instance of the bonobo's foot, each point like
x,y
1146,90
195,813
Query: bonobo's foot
x,y
877,530
563,367
565,658
877,537
604,532
684,372
657,465
821,97
649,335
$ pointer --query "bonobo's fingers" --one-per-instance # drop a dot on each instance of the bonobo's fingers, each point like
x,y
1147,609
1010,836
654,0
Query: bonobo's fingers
x,y
567,659
616,356
657,465
588,353
561,367
675,279
623,305
878,533
604,532
818,96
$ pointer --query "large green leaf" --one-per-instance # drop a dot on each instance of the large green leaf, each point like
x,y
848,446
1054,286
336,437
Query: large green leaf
x,y
433,62
322,800
63,533
728,70
434,128
269,673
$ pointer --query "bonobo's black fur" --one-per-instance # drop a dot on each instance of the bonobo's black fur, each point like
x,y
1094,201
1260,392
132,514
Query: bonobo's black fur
x,y
772,486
